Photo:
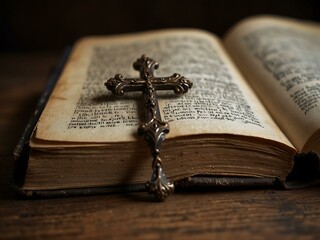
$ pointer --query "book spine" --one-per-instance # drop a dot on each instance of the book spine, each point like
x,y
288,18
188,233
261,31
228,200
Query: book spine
x,y
21,151
56,193
195,183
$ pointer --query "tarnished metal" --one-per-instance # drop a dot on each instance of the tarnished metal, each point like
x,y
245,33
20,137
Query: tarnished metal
x,y
154,129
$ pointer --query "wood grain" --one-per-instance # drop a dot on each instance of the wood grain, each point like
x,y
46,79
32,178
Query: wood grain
x,y
243,214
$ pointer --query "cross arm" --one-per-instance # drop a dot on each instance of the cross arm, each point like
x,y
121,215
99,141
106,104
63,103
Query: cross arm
x,y
119,85
179,84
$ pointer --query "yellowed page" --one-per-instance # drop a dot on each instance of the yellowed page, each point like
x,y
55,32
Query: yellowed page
x,y
220,102
281,60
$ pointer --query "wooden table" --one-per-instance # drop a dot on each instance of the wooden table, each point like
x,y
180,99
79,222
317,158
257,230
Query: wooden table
x,y
246,214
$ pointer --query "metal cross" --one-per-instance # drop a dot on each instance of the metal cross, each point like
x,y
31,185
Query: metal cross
x,y
154,129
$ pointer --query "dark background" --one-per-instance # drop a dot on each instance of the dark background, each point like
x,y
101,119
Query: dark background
x,y
51,25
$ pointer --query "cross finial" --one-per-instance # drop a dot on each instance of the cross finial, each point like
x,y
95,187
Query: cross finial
x,y
145,66
154,129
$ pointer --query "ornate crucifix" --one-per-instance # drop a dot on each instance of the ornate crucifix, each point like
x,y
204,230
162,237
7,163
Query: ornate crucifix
x,y
154,129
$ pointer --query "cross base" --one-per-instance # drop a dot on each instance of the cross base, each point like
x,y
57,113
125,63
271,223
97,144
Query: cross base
x,y
159,185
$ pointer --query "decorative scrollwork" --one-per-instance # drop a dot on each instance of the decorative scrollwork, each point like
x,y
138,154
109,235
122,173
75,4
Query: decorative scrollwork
x,y
159,185
178,83
116,84
154,132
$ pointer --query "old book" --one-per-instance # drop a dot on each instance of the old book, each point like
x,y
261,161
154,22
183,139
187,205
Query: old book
x,y
252,116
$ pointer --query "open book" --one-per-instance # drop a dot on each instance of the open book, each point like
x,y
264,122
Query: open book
x,y
254,108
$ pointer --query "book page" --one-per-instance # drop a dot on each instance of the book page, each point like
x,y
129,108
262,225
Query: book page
x,y
220,102
281,60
